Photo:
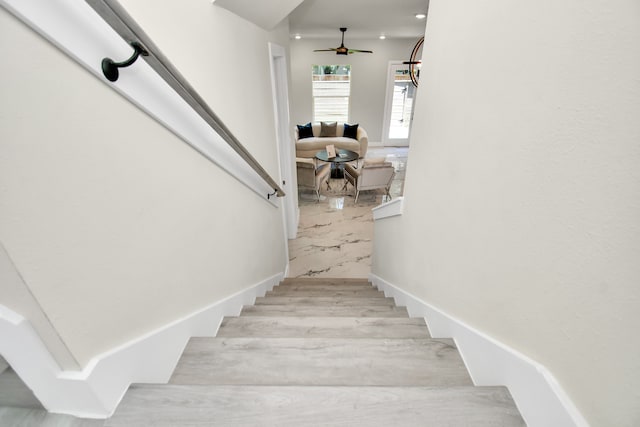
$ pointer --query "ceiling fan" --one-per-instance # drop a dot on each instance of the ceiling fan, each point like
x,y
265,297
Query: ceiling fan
x,y
342,50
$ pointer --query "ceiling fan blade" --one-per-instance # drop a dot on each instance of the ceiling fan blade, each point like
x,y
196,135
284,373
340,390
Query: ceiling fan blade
x,y
342,50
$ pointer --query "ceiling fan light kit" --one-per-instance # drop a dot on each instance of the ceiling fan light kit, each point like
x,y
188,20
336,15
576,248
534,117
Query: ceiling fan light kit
x,y
342,50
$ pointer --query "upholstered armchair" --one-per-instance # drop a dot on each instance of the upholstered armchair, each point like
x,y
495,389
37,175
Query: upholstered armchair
x,y
312,176
374,174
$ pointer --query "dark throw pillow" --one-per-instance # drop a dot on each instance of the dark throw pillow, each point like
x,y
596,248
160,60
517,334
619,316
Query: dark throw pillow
x,y
305,131
328,129
350,131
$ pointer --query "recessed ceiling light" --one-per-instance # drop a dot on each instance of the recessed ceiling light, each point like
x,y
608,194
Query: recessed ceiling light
x,y
382,37
420,15
297,36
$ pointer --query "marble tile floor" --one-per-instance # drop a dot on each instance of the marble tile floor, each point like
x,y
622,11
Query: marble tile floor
x,y
335,235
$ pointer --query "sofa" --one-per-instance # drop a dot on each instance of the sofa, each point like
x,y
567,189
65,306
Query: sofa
x,y
308,147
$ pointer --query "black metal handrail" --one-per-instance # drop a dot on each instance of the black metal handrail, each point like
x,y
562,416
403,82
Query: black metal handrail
x,y
123,24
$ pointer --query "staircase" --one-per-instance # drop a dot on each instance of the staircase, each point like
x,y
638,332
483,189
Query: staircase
x,y
319,352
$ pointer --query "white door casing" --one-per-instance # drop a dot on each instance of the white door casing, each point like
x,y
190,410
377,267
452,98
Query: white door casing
x,y
286,150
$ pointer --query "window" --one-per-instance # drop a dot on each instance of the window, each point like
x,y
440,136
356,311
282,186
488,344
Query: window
x,y
331,85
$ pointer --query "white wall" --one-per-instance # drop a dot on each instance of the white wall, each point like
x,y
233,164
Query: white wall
x,y
116,226
15,294
368,77
522,196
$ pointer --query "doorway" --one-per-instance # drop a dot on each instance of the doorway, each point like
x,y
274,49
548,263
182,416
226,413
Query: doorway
x,y
399,103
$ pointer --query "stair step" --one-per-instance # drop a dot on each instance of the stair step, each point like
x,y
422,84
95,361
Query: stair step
x,y
3,365
325,291
324,281
15,393
315,311
30,417
319,352
321,361
330,287
325,301
323,327
172,405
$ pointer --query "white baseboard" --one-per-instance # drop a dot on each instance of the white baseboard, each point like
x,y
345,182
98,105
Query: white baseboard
x,y
95,391
540,399
394,207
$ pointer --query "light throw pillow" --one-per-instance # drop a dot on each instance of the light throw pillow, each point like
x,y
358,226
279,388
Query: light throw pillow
x,y
350,131
305,131
328,129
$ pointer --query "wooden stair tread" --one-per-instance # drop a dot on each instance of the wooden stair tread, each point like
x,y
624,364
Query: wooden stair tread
x,y
325,291
324,301
320,352
321,310
324,281
321,361
325,287
15,393
170,405
325,327
3,365
32,417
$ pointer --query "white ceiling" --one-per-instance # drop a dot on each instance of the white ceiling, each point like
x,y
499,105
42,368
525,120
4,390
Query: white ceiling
x,y
362,18
323,18
265,13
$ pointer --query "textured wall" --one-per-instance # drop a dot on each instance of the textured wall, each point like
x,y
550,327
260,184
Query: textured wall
x,y
523,188
116,226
